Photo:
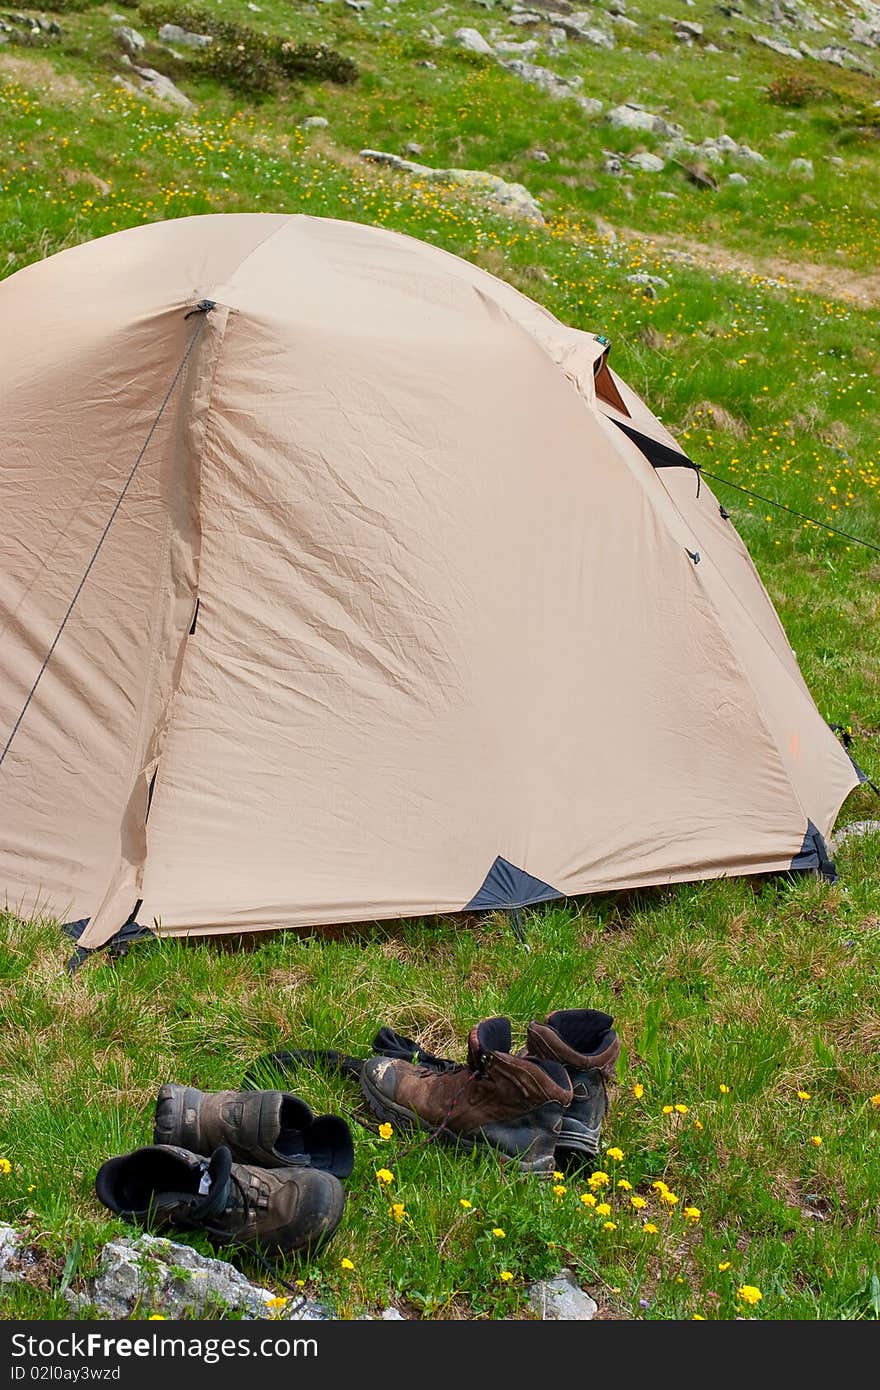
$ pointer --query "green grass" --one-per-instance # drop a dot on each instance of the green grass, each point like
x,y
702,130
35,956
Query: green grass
x,y
765,988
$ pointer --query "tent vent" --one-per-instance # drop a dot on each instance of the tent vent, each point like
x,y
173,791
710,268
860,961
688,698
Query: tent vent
x,y
195,617
693,555
506,886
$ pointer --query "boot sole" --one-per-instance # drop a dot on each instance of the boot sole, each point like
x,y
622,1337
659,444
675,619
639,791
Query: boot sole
x,y
386,1109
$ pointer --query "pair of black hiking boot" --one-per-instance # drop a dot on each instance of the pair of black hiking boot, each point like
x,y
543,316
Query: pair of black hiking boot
x,y
249,1168
541,1107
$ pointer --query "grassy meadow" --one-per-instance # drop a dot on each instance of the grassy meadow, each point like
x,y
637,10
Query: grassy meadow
x,y
749,1082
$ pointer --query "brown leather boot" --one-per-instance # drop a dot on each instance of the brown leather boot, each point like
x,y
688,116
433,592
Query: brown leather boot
x,y
272,1129
234,1204
585,1043
512,1104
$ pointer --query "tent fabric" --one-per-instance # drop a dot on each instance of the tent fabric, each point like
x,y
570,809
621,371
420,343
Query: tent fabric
x,y
446,613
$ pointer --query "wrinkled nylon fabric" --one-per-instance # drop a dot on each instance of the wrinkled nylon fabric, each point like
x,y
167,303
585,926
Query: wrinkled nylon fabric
x,y
446,610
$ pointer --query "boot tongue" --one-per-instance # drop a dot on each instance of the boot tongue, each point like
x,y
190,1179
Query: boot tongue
x,y
214,1184
492,1035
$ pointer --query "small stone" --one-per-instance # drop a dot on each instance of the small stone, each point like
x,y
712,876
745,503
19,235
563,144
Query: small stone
x,y
539,156
359,4
739,179
315,123
591,106
173,33
803,168
641,277
688,28
130,40
613,164
561,1299
392,1315
647,163
161,88
473,41
413,147
778,46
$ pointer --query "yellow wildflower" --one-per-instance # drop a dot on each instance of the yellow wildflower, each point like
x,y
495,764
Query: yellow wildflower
x,y
875,1100
816,1140
156,1317
698,1317
560,1190
33,1187
697,1124
659,1185
638,1203
749,1294
5,1166
386,1131
624,1186
638,1090
588,1199
558,1177
505,1276
668,1197
725,1090
603,1209
682,1109
803,1095
649,1228
384,1175
463,1202
346,1263
616,1154
498,1232
397,1212
599,1179
608,1226
692,1214
668,1109
724,1266
277,1302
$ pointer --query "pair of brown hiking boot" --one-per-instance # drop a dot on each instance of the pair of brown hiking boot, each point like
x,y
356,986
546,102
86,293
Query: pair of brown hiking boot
x,y
249,1168
542,1107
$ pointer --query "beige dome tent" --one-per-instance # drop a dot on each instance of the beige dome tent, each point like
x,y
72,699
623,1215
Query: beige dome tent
x,y
378,594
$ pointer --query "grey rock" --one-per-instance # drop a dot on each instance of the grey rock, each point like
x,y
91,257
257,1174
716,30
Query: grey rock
x,y
151,1273
154,84
803,168
473,41
525,19
130,40
613,164
173,33
561,1299
647,163
511,198
632,116
778,46
867,31
539,156
413,147
10,1251
392,1315
641,277
836,160
556,37
527,48
543,78
582,25
854,831
426,63
839,57
752,156
315,123
739,179
688,28
591,106
359,4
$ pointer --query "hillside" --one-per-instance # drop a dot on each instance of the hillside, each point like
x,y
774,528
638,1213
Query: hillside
x,y
703,186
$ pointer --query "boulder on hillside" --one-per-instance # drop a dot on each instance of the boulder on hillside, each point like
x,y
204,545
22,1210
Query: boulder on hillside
x,y
511,198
